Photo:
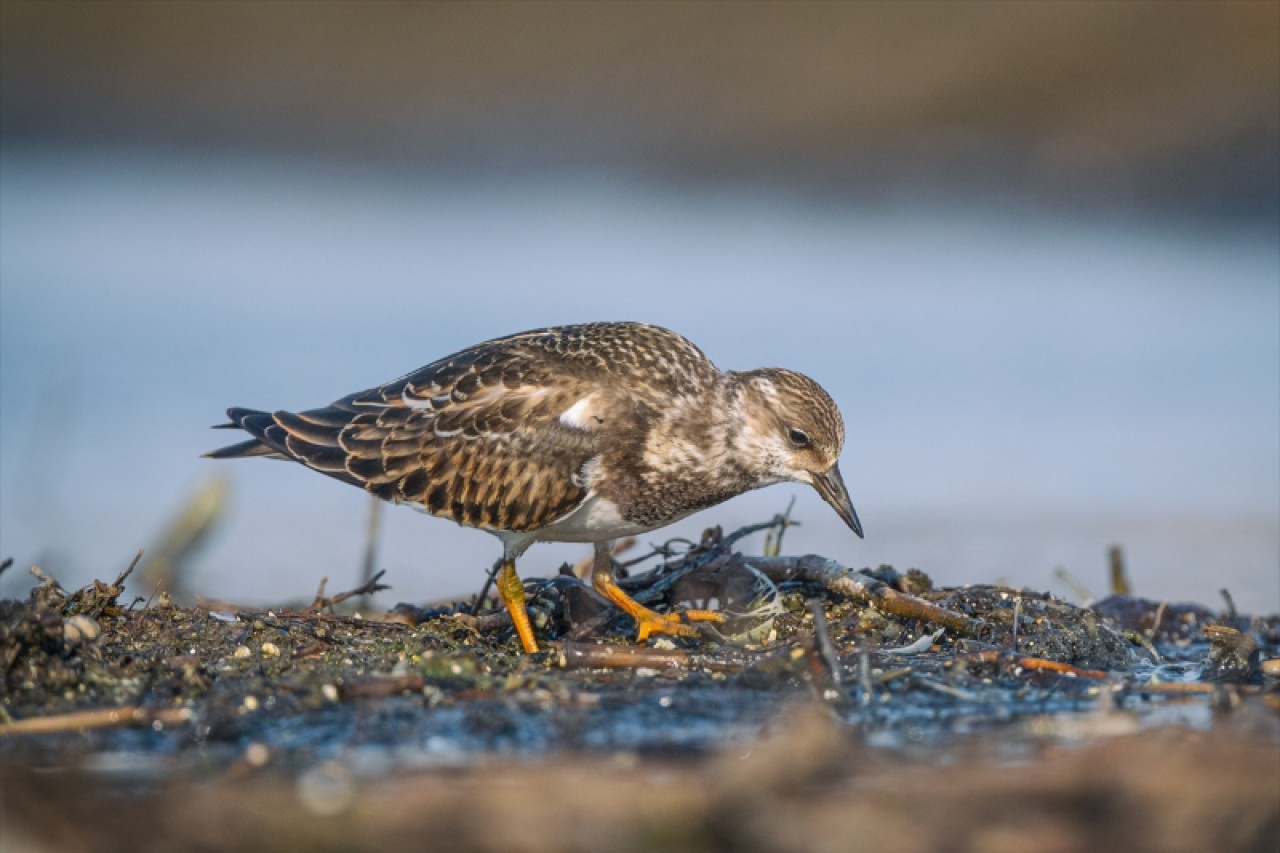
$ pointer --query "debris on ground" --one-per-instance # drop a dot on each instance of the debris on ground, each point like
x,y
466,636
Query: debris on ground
x,y
234,699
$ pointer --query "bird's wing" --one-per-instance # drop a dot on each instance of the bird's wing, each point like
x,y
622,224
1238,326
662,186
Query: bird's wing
x,y
477,437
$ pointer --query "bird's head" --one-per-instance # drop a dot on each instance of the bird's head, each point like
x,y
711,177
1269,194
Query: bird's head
x,y
796,433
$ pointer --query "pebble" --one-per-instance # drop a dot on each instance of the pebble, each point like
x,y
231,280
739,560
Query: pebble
x,y
257,754
242,652
270,650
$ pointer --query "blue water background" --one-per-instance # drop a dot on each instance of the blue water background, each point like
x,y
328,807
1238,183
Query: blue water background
x,y
1021,389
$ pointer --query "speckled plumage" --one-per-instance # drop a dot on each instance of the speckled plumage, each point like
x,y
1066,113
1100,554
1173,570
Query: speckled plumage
x,y
573,433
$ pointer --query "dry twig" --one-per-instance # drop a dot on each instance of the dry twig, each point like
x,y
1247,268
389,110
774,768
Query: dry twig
x,y
1032,663
369,587
859,587
601,656
98,718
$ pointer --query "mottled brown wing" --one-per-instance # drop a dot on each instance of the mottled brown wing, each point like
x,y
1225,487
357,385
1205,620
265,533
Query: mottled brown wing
x,y
499,459
476,438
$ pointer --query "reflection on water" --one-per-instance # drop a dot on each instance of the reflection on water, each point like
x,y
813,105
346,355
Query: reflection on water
x,y
1021,391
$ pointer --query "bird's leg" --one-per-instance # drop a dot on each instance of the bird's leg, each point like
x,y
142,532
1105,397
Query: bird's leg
x,y
649,621
511,588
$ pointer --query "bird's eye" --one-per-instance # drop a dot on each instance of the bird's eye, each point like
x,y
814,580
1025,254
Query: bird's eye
x,y
798,437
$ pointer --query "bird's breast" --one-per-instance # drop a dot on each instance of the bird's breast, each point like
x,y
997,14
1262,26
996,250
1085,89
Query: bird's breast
x,y
594,520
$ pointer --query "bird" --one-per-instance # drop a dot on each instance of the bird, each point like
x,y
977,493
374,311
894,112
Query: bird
x,y
575,433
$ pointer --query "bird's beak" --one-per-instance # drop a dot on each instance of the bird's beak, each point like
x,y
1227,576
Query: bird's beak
x,y
831,486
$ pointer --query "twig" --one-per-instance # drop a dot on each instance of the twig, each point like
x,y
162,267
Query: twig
x,y
1135,637
727,542
119,584
773,539
1080,591
1232,613
46,579
1119,577
369,587
100,718
600,656
1032,663
8,561
864,680
317,603
1155,626
859,587
666,550
1017,614
826,650
474,609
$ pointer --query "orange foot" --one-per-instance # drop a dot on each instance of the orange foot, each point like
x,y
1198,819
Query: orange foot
x,y
650,622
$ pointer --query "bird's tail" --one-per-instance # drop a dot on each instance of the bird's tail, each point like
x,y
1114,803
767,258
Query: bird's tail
x,y
252,421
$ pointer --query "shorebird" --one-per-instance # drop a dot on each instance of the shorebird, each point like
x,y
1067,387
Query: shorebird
x,y
580,433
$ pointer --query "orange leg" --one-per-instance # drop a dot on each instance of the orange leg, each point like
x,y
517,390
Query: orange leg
x,y
649,622
512,591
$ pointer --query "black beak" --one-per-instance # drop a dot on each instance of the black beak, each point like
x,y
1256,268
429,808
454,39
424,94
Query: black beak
x,y
831,486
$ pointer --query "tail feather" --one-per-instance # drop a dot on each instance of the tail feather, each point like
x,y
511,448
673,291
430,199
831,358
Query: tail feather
x,y
243,419
308,437
243,450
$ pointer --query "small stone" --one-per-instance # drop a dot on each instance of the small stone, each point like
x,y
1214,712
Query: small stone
x,y
242,652
257,754
250,703
270,650
330,692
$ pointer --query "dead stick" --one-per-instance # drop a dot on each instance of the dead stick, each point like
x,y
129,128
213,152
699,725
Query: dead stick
x,y
1033,664
99,718
860,587
317,603
367,588
600,656
120,580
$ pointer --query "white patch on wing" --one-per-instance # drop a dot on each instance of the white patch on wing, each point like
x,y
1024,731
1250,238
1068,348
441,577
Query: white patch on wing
x,y
579,415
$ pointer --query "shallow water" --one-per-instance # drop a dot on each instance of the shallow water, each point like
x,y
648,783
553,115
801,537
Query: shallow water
x,y
1021,391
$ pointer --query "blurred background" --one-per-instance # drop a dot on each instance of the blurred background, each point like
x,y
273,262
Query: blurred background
x,y
1031,249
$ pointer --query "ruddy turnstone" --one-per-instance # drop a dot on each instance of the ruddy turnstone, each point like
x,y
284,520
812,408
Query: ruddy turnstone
x,y
578,433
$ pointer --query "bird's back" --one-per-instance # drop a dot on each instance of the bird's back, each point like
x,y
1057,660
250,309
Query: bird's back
x,y
496,435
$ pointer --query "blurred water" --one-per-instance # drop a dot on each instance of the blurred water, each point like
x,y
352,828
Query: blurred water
x,y
1021,391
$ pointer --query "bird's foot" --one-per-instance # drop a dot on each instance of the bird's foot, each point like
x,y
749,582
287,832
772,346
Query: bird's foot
x,y
677,624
